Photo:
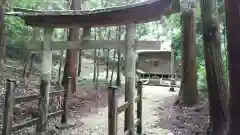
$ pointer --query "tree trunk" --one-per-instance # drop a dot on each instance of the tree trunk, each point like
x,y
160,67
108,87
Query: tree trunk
x,y
173,67
95,57
94,64
30,57
233,44
225,54
97,68
113,67
83,5
65,34
107,64
189,87
2,31
60,67
30,65
71,56
217,86
79,63
26,65
70,70
108,51
118,79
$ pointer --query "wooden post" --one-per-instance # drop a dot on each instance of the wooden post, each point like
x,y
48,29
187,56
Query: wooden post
x,y
45,81
8,107
130,76
139,108
112,111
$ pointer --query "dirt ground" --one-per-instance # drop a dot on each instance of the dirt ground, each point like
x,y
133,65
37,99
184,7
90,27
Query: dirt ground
x,y
160,116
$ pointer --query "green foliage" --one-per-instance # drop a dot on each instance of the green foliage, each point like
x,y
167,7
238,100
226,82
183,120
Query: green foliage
x,y
16,29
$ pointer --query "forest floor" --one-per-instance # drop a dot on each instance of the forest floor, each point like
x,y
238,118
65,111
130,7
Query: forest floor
x,y
160,116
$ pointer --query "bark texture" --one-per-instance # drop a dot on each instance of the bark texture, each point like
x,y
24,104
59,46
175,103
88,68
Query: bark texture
x,y
217,86
118,79
70,67
2,35
233,44
70,64
188,92
79,62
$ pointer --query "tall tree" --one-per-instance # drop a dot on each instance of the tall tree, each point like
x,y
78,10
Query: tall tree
x,y
188,92
113,67
217,86
108,53
71,56
80,53
233,44
2,29
95,56
79,63
61,58
118,79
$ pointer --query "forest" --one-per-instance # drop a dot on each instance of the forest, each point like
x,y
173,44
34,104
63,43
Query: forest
x,y
202,44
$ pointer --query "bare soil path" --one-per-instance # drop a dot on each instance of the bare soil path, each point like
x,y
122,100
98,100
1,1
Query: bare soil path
x,y
154,97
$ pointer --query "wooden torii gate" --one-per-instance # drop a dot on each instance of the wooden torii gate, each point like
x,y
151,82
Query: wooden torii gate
x,y
128,15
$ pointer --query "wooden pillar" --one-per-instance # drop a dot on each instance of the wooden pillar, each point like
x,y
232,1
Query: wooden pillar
x,y
112,111
45,81
130,76
8,107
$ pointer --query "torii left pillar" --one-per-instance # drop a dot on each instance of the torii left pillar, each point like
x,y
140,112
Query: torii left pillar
x,y
130,77
46,53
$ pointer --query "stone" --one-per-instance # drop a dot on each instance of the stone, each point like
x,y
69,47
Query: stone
x,y
172,89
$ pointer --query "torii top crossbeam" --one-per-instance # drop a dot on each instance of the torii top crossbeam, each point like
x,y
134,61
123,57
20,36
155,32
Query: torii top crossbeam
x,y
142,12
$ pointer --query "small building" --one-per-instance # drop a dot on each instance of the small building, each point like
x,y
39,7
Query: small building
x,y
155,64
